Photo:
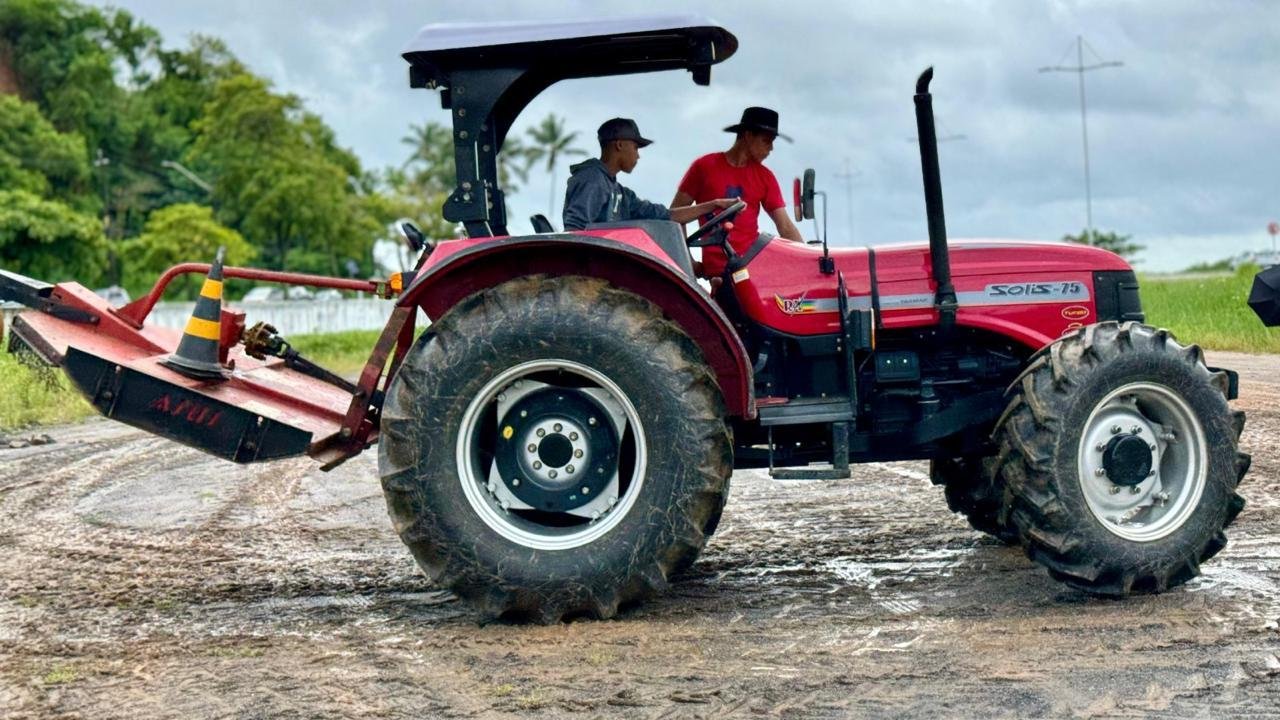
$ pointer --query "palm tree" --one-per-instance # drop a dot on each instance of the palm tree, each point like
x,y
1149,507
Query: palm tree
x,y
552,143
432,156
513,161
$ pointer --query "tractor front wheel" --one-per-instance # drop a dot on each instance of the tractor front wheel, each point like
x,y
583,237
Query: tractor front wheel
x,y
1121,459
555,449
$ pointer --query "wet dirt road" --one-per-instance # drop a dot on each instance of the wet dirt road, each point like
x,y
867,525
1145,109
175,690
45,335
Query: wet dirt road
x,y
140,579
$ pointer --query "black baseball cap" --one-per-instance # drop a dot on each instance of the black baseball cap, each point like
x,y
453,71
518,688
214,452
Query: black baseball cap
x,y
621,129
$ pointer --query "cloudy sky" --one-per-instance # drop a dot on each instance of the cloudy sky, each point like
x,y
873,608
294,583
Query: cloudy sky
x,y
1184,138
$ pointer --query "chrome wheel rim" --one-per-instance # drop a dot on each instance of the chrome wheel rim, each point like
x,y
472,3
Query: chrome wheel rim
x,y
551,454
1132,499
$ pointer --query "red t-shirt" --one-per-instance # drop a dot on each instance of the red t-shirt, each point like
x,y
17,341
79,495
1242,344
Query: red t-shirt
x,y
711,177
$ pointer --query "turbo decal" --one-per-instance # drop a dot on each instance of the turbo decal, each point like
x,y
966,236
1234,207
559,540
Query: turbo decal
x,y
1075,312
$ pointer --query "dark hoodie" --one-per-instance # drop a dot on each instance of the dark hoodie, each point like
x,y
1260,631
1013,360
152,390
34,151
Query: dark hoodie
x,y
594,196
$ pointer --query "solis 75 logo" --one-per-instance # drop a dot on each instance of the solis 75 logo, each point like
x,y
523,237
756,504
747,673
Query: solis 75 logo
x,y
796,306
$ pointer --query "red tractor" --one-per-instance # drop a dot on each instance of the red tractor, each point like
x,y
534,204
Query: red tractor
x,y
559,440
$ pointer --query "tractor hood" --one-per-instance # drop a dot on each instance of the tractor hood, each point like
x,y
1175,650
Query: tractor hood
x,y
984,257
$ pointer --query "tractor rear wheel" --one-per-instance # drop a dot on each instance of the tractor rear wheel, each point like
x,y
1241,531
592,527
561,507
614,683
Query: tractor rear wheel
x,y
972,489
1121,459
555,449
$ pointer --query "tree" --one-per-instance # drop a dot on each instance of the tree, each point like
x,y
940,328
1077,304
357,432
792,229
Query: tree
x,y
280,179
431,163
37,158
175,234
1116,243
48,240
552,143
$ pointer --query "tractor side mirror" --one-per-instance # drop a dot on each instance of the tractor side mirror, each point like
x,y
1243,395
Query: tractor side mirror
x,y
806,195
411,235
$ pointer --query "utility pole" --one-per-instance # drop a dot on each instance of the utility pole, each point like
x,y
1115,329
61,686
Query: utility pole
x,y
1080,69
847,176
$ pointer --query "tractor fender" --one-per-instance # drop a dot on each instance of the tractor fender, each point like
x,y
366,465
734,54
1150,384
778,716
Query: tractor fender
x,y
472,266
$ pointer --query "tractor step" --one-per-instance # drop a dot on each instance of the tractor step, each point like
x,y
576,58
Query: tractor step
x,y
802,411
839,469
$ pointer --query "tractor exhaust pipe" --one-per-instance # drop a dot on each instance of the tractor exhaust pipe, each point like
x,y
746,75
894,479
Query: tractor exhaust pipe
x,y
945,298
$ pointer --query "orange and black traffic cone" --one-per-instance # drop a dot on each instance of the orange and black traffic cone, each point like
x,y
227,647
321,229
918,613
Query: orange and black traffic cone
x,y
197,355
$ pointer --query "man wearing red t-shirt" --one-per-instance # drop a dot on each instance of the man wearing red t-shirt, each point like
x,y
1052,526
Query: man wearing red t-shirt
x,y
740,173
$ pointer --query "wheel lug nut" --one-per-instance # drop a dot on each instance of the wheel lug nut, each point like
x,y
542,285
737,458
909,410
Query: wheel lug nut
x,y
533,448
524,413
577,453
1151,473
1100,472
569,469
502,397
515,482
1153,447
1114,489
551,474
1115,429
586,490
591,421
537,465
1134,489
557,427
1099,447
573,436
541,432
1135,430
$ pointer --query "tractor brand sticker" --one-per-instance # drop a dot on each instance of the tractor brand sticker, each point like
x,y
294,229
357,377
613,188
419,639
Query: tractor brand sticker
x,y
192,412
740,276
797,306
1021,293
1075,312
1072,327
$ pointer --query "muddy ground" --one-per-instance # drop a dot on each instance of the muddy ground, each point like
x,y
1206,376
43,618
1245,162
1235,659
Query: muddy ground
x,y
140,579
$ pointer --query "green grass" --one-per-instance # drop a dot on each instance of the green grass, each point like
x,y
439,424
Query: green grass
x,y
36,396
1210,310
342,352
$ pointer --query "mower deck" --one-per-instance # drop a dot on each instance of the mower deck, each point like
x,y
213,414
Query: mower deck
x,y
263,410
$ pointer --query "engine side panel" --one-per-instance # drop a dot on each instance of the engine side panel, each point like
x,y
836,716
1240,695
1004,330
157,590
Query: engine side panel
x,y
1031,292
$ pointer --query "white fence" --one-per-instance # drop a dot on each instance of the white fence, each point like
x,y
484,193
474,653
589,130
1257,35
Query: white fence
x,y
290,317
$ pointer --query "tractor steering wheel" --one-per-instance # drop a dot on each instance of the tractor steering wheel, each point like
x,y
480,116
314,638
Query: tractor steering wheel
x,y
714,228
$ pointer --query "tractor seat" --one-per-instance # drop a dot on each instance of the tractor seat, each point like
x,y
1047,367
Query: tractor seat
x,y
541,224
665,233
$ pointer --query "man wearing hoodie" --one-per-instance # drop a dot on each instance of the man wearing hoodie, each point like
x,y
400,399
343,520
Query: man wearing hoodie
x,y
595,196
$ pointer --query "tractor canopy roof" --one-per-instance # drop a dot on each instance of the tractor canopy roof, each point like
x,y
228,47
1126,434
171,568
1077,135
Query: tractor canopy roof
x,y
488,73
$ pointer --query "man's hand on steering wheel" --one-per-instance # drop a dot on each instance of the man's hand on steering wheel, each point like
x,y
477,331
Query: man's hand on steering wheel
x,y
712,231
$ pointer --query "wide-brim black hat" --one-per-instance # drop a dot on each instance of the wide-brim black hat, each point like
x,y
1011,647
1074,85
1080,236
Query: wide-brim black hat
x,y
758,119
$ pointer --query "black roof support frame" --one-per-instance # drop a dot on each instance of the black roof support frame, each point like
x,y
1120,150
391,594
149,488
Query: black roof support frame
x,y
486,86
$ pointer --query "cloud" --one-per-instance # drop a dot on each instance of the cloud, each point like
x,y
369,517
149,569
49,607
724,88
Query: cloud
x,y
1182,136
